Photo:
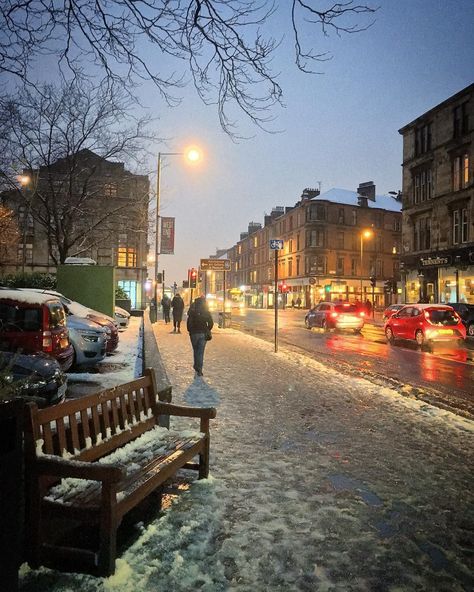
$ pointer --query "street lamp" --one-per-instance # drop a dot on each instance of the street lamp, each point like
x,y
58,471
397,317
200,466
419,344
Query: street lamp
x,y
192,155
364,234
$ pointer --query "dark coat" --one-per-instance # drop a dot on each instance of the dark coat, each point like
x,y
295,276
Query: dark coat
x,y
166,303
199,317
177,305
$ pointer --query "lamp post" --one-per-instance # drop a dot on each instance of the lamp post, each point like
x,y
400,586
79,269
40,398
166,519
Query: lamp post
x,y
192,155
364,234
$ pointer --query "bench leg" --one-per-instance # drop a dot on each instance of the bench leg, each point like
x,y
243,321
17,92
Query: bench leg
x,y
204,460
108,532
32,522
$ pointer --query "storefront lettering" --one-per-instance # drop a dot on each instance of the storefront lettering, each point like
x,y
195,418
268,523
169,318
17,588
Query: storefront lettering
x,y
428,261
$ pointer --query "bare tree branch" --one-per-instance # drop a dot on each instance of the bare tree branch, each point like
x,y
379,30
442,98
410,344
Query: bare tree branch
x,y
221,41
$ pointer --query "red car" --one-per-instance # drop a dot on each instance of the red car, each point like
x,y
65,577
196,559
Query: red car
x,y
33,323
425,323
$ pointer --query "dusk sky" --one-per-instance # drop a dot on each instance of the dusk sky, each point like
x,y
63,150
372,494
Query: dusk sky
x,y
338,128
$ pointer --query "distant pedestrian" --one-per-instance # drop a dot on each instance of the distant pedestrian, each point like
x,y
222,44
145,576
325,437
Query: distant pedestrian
x,y
298,302
368,306
166,305
199,325
177,304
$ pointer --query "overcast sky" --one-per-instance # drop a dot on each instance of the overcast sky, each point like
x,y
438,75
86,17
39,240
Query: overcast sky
x,y
338,128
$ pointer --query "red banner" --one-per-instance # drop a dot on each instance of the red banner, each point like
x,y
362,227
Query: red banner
x,y
167,236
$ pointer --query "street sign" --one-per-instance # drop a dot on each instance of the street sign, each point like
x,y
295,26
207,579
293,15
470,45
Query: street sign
x,y
276,244
215,264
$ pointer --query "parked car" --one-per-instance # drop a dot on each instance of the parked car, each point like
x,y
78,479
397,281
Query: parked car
x,y
32,322
79,310
34,375
425,323
390,310
122,317
88,339
466,312
332,315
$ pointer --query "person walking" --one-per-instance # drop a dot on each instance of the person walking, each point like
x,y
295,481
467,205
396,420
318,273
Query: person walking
x,y
177,304
166,305
199,325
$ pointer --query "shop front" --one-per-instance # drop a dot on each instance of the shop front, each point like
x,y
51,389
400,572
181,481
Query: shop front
x,y
445,277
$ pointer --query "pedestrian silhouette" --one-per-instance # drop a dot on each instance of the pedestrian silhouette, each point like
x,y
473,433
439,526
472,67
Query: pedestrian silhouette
x,y
199,325
166,305
177,304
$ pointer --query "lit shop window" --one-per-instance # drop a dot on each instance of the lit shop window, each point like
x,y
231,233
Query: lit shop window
x,y
127,257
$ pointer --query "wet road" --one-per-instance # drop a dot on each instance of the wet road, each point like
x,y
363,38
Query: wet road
x,y
445,372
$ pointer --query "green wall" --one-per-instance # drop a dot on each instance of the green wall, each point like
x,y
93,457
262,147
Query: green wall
x,y
91,285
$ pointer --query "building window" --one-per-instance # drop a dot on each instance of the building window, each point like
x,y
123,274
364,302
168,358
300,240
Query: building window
x,y
340,240
28,253
340,216
298,241
354,217
378,218
353,266
126,257
460,226
397,225
460,172
460,120
291,223
290,246
315,238
316,212
340,266
290,267
423,139
297,266
110,189
422,236
422,186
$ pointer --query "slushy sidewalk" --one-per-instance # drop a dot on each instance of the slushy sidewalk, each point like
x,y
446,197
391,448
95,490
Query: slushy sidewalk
x,y
319,482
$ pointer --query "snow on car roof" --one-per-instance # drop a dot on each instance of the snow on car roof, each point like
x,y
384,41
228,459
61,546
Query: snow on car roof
x,y
27,296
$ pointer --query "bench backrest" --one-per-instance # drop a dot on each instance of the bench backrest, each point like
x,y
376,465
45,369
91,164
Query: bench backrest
x,y
92,426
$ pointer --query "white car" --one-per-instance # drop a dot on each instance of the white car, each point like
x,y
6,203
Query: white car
x,y
122,317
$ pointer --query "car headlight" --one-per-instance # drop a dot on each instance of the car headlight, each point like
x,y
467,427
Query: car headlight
x,y
108,330
88,336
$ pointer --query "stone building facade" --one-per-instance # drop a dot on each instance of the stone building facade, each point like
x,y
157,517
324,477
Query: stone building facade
x,y
337,245
114,216
438,202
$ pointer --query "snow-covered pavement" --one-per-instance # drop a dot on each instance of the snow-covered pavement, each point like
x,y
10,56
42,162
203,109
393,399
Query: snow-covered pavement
x,y
319,482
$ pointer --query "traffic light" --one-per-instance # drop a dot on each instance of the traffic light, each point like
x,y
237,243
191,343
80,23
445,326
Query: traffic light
x,y
394,286
373,280
388,286
159,278
283,287
192,278
327,288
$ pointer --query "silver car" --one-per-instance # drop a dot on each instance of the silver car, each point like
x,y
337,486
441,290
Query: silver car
x,y
88,340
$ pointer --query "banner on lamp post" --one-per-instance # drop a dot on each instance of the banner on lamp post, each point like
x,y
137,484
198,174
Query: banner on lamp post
x,y
167,236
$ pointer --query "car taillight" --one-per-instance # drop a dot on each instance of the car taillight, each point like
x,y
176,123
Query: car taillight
x,y
334,315
47,341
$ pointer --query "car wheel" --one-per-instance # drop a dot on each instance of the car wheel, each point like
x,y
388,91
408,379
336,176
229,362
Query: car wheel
x,y
307,324
419,338
389,335
470,330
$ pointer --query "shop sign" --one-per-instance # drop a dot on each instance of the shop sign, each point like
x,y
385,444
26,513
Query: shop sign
x,y
435,261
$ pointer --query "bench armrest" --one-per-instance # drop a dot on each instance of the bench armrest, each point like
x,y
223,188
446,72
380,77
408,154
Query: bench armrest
x,y
185,411
62,467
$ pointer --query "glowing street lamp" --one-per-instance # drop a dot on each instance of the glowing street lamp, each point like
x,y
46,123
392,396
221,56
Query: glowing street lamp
x,y
192,155
365,234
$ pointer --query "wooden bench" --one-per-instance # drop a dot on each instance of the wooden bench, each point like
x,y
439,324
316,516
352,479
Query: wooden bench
x,y
68,478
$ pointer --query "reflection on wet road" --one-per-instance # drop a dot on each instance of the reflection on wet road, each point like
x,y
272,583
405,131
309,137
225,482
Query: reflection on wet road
x,y
447,368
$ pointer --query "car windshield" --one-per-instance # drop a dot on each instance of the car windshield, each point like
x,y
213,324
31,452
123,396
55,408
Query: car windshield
x,y
349,308
442,316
